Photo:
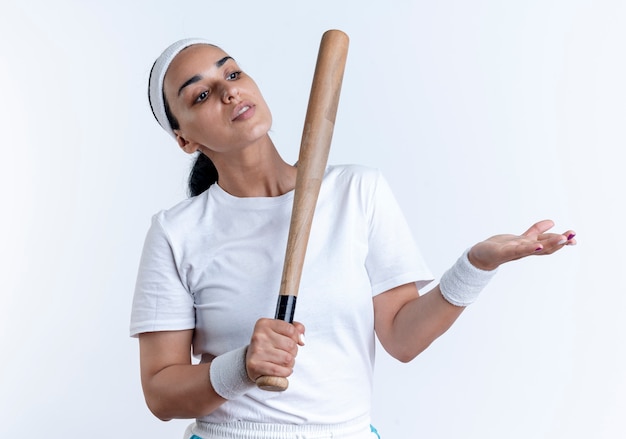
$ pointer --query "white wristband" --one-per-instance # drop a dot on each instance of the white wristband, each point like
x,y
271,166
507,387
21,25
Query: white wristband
x,y
228,374
463,282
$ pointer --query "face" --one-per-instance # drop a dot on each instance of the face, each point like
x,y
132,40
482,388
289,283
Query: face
x,y
218,107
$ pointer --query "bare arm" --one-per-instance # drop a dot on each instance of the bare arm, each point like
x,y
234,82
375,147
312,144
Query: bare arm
x,y
175,388
172,386
407,323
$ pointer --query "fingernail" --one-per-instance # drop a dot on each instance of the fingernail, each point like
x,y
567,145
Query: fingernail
x,y
571,235
562,241
302,338
538,249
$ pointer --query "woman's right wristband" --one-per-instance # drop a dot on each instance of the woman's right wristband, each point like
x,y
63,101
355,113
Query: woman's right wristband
x,y
228,374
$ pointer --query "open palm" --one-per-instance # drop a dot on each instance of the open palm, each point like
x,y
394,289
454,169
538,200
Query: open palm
x,y
498,249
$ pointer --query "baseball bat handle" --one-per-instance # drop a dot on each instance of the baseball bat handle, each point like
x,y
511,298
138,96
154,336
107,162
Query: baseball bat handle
x,y
317,135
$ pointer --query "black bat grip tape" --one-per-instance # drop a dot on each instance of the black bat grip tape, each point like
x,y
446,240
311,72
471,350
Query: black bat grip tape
x,y
286,308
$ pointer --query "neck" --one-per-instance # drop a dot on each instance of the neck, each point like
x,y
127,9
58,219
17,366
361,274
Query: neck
x,y
257,171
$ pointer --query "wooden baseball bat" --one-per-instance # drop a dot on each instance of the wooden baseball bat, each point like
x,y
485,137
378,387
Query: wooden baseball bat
x,y
316,138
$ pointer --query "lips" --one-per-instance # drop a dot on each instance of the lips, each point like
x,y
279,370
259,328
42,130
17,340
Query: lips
x,y
242,111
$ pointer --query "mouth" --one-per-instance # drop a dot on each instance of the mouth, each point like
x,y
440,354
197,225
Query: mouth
x,y
242,111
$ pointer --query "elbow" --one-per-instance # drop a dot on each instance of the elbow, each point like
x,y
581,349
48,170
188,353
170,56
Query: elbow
x,y
157,409
406,354
404,349
406,358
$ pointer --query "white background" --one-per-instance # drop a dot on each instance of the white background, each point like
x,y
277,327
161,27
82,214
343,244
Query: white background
x,y
485,116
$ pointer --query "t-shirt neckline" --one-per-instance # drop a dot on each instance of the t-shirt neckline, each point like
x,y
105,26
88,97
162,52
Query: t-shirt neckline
x,y
216,192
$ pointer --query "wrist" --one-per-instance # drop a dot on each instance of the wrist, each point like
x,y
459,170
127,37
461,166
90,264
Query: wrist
x,y
462,283
228,374
478,263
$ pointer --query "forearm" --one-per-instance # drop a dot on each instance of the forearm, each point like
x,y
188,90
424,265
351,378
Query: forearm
x,y
406,324
418,323
181,391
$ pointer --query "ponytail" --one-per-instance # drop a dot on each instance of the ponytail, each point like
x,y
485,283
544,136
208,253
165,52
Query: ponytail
x,y
203,174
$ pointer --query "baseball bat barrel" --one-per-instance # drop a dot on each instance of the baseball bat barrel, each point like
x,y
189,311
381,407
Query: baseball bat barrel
x,y
317,134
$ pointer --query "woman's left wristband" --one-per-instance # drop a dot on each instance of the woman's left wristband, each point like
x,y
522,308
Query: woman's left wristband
x,y
463,282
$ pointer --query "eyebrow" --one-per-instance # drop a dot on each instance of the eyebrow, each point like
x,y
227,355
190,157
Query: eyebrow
x,y
197,78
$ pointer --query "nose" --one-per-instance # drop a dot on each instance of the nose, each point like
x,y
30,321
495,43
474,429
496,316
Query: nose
x,y
229,92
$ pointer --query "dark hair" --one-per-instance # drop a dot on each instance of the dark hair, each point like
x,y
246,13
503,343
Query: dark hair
x,y
203,172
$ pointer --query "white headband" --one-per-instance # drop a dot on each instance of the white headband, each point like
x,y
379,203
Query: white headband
x,y
155,83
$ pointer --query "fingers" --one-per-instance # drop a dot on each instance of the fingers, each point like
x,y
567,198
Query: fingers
x,y
300,328
539,227
570,234
551,242
273,348
548,243
499,249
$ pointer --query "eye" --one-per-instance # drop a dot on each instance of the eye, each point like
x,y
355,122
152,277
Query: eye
x,y
233,76
202,96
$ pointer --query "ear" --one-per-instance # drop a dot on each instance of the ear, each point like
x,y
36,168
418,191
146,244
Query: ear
x,y
188,146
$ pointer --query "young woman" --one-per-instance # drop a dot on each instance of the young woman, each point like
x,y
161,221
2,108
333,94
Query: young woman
x,y
211,268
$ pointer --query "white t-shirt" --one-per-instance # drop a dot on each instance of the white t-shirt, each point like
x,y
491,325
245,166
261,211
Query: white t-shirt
x,y
213,263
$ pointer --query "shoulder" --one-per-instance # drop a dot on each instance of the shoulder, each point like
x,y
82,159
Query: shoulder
x,y
360,179
352,174
352,184
184,213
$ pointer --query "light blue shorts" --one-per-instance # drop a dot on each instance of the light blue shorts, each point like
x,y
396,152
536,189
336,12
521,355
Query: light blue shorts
x,y
356,429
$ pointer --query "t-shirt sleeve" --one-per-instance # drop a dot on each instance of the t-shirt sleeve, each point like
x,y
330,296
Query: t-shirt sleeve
x,y
393,257
161,301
